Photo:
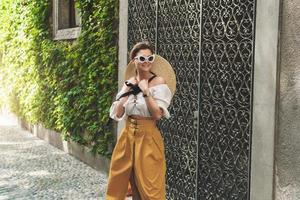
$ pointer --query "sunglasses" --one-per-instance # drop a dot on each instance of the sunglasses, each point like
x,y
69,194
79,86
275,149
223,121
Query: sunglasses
x,y
142,59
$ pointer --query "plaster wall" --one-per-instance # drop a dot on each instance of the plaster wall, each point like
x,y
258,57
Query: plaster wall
x,y
287,159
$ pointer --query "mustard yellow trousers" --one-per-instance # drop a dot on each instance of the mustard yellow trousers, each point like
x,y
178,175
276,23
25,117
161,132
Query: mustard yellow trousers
x,y
139,150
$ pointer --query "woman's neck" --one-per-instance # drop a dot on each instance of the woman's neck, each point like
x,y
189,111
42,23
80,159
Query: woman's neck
x,y
143,75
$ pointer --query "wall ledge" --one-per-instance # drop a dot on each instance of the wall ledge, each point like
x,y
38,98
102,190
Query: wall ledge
x,y
82,153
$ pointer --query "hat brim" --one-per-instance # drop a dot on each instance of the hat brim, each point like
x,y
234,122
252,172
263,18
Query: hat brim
x,y
161,67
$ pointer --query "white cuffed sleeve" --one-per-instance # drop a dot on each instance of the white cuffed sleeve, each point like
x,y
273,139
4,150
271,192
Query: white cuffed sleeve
x,y
113,112
163,96
112,109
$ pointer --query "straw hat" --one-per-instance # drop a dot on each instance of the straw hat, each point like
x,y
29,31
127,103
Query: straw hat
x,y
161,67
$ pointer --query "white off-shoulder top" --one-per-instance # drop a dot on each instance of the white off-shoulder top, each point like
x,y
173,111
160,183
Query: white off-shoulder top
x,y
137,106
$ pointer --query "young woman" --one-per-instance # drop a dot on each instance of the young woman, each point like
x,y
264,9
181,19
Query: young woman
x,y
139,156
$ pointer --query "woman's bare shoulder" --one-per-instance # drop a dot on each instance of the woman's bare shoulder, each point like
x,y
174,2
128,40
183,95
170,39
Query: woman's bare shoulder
x,y
158,80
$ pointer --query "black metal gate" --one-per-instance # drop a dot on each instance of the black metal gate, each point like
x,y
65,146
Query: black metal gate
x,y
210,44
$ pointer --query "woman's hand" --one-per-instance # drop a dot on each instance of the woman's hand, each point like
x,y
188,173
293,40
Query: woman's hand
x,y
143,85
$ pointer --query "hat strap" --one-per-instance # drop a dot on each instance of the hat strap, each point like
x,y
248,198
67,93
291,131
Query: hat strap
x,y
152,77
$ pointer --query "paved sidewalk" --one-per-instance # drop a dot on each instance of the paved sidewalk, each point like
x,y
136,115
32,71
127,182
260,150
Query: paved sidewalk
x,y
30,168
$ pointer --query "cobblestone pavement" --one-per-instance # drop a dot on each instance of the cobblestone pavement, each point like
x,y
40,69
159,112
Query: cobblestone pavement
x,y
30,168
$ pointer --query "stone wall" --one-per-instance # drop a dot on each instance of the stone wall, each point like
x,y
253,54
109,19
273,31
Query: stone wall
x,y
287,160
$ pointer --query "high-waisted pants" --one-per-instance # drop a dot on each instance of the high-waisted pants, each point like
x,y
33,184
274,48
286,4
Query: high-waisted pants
x,y
139,150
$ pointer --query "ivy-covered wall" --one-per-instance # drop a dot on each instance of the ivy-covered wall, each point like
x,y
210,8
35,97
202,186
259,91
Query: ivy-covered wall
x,y
66,86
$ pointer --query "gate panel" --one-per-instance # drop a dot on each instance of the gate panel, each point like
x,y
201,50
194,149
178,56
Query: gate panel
x,y
227,43
173,27
178,33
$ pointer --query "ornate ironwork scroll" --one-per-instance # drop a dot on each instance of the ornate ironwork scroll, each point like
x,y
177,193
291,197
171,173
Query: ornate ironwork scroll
x,y
227,45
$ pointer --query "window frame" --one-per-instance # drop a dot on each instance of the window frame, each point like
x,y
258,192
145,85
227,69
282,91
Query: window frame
x,y
63,34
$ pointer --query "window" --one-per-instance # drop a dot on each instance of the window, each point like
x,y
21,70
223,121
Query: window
x,y
66,20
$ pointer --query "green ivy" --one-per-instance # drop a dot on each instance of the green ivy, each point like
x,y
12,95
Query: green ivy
x,y
67,86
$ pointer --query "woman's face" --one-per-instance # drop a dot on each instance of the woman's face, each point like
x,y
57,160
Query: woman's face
x,y
146,66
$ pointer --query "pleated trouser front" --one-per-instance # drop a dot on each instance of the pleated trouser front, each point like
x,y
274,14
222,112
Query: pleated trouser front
x,y
139,150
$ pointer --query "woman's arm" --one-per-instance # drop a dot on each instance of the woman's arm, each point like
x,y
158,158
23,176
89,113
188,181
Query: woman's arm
x,y
152,105
155,111
119,108
119,105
